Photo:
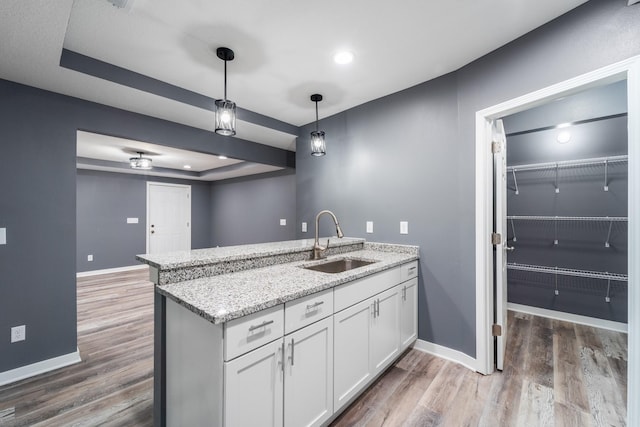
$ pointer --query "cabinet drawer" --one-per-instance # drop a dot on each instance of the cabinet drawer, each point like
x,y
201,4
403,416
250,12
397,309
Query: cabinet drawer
x,y
304,311
249,332
359,290
409,271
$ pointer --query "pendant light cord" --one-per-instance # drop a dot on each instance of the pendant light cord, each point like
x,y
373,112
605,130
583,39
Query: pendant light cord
x,y
225,79
316,116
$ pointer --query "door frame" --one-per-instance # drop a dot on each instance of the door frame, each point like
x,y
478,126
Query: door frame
x,y
166,184
628,69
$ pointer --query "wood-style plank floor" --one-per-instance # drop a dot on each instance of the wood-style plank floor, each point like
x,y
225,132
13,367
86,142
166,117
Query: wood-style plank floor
x,y
113,385
556,374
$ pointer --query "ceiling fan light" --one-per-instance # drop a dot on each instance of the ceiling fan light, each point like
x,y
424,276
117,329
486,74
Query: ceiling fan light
x,y
142,163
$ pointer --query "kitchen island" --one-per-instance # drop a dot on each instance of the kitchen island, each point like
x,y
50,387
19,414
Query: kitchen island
x,y
233,326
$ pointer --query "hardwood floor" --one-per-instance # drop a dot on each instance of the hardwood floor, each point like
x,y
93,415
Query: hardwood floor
x,y
556,374
113,385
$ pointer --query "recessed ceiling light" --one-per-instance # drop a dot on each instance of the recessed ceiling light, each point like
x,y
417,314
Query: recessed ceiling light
x,y
563,137
187,166
223,157
343,57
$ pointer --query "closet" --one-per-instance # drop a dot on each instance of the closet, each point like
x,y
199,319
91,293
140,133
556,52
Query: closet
x,y
567,205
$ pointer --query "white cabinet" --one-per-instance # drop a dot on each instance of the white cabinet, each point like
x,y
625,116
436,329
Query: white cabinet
x,y
308,379
259,390
385,337
352,369
254,387
408,313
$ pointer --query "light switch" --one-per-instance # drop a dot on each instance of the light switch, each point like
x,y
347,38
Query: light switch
x,y
404,227
304,227
3,236
132,220
283,221
369,226
89,257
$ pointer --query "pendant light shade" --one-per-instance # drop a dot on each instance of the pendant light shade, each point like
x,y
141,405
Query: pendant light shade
x,y
225,109
140,162
318,146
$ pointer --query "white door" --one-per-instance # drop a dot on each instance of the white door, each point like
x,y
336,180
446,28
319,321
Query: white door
x,y
168,217
500,214
351,351
254,388
385,337
408,313
308,381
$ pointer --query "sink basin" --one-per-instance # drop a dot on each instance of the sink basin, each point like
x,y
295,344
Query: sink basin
x,y
339,265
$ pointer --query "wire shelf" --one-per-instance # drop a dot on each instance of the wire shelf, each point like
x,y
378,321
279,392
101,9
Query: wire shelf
x,y
568,218
568,272
569,163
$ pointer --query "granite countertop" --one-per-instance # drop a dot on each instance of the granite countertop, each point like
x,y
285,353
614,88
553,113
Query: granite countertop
x,y
201,257
226,297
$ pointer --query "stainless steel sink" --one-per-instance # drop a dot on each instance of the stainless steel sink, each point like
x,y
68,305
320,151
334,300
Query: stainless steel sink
x,y
339,265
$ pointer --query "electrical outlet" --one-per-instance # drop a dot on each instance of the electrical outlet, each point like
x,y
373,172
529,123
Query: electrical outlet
x,y
304,227
283,221
369,226
404,227
3,236
18,333
89,257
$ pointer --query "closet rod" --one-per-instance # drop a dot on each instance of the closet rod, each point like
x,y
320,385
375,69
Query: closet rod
x,y
568,272
569,163
568,218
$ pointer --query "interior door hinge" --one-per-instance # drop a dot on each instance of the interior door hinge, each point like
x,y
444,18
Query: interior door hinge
x,y
496,147
496,330
496,238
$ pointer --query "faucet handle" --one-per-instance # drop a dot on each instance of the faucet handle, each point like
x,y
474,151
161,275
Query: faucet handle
x,y
327,247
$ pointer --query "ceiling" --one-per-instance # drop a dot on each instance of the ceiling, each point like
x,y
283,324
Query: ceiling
x,y
283,50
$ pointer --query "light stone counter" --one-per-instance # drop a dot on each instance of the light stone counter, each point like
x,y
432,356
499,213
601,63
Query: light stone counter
x,y
181,266
224,297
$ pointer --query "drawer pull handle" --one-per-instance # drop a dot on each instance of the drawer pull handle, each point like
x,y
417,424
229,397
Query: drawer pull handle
x,y
412,269
262,325
312,306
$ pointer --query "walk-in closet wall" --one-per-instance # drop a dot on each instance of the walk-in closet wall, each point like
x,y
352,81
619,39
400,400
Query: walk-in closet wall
x,y
557,216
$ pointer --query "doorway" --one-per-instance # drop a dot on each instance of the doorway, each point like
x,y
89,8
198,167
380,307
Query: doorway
x,y
168,217
628,70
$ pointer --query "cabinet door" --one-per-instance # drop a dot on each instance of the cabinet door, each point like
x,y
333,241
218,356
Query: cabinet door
x,y
254,387
408,313
308,380
352,369
385,337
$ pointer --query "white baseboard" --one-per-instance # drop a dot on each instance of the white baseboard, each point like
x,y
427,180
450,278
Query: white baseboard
x,y
111,270
569,317
446,353
38,368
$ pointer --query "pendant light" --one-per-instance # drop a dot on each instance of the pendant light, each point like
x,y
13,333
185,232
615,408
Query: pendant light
x,y
225,109
140,162
318,146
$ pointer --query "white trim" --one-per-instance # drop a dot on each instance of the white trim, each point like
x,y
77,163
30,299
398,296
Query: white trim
x,y
633,367
38,368
629,69
111,270
569,317
446,353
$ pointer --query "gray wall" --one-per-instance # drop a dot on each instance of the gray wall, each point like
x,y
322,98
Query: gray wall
x,y
411,156
38,206
104,202
248,210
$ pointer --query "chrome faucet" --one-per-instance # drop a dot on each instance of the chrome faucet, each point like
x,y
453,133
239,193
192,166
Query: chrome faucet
x,y
319,251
